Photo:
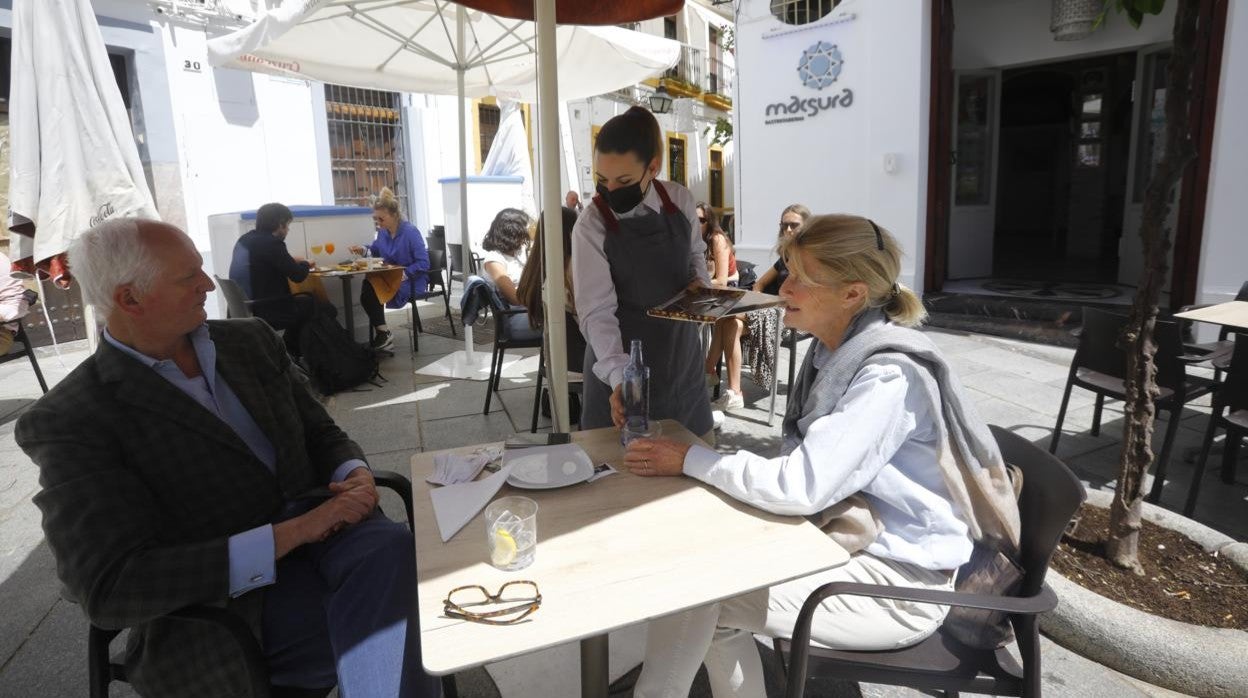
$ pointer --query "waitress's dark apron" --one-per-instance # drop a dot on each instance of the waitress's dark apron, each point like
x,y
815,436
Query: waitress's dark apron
x,y
649,260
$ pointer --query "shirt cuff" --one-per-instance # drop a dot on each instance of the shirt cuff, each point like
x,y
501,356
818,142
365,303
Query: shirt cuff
x,y
342,471
699,462
252,560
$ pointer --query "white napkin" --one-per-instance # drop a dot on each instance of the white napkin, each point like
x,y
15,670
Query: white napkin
x,y
452,469
455,505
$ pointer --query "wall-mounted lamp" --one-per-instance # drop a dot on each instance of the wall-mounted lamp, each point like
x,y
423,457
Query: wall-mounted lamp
x,y
660,100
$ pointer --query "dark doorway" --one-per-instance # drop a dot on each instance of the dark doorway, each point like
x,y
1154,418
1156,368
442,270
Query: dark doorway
x,y
1062,173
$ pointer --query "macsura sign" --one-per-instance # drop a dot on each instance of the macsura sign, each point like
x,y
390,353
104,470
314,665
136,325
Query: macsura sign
x,y
819,69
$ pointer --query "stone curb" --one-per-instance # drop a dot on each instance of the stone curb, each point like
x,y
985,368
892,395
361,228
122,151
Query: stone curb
x,y
1178,656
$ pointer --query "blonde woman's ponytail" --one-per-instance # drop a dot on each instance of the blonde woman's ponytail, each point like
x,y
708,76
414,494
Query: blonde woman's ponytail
x,y
904,307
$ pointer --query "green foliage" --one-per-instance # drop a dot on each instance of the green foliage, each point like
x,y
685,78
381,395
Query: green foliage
x,y
720,133
1134,9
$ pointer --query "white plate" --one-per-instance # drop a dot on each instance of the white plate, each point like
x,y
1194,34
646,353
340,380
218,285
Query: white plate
x,y
548,467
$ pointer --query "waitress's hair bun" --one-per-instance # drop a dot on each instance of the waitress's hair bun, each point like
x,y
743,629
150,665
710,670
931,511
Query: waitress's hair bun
x,y
635,131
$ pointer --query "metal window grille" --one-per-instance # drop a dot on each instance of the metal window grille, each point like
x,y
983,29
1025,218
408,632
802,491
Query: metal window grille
x,y
488,119
366,145
801,11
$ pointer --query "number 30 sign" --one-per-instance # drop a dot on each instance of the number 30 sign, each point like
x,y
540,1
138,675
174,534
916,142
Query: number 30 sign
x,y
192,66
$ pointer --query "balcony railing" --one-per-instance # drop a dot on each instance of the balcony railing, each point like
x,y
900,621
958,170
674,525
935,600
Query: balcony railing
x,y
689,70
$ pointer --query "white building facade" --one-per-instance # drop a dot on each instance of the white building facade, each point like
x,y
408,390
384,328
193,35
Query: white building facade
x,y
1046,144
218,140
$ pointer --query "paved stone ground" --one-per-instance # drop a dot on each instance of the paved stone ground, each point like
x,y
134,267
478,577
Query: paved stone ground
x,y
1015,384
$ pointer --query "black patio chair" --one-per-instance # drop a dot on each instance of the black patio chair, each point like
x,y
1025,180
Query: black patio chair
x,y
1230,413
1218,353
511,331
20,337
576,388
1050,496
102,670
439,285
1100,365
455,260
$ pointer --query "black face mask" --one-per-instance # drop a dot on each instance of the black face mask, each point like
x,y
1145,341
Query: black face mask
x,y
624,199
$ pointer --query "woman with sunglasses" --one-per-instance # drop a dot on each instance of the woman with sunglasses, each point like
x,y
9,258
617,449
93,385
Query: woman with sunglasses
x,y
882,449
791,219
636,247
400,243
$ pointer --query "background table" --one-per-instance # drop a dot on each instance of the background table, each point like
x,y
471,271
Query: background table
x,y
1231,314
348,303
611,553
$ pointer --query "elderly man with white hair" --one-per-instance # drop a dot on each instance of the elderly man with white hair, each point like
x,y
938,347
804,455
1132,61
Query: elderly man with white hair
x,y
186,463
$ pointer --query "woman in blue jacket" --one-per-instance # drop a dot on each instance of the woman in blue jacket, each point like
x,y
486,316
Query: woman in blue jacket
x,y
400,243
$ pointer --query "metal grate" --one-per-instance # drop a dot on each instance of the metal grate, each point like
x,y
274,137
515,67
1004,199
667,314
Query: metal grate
x,y
365,145
801,11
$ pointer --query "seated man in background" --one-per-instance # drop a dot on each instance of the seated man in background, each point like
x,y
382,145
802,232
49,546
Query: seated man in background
x,y
15,302
263,268
186,463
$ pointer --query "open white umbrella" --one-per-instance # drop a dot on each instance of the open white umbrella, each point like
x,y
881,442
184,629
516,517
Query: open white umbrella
x,y
74,162
438,47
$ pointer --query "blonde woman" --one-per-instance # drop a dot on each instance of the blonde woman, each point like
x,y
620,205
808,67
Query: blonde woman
x,y
398,242
881,449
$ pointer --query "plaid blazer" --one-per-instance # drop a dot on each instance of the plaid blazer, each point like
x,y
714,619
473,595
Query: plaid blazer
x,y
142,486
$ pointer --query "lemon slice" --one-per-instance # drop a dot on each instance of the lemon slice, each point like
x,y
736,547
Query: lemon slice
x,y
504,548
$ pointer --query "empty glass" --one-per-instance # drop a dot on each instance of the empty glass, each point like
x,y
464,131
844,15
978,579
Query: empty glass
x,y
511,532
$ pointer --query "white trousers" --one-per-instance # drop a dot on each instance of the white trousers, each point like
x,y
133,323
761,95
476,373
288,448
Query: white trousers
x,y
721,634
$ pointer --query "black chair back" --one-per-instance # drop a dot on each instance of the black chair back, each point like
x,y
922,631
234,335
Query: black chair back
x,y
235,300
437,267
436,239
1100,349
1050,496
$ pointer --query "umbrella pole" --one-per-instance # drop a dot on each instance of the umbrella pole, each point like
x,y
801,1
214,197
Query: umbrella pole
x,y
464,240
552,214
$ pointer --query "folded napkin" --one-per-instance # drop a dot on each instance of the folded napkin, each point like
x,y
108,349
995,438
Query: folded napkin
x,y
455,505
452,469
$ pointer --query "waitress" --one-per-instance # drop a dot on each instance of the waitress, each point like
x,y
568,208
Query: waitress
x,y
634,248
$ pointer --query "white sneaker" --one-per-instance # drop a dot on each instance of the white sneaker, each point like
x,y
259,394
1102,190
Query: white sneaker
x,y
730,400
717,419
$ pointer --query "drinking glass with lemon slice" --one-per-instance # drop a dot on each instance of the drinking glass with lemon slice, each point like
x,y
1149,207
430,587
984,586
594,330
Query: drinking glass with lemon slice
x,y
511,532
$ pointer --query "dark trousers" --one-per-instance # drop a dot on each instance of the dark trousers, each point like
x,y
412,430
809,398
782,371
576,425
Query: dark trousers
x,y
372,307
289,314
344,612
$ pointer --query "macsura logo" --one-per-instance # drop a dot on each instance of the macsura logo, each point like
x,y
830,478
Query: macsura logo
x,y
798,109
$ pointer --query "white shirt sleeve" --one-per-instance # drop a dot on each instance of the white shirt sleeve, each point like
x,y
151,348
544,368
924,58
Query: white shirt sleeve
x,y
596,303
841,454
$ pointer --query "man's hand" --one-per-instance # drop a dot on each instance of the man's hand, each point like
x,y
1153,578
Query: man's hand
x,y
354,500
651,457
617,405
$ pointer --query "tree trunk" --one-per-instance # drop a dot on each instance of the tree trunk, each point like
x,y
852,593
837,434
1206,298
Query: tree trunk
x,y
1122,542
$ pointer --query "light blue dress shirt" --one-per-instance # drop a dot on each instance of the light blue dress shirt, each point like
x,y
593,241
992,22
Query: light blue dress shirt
x,y
253,560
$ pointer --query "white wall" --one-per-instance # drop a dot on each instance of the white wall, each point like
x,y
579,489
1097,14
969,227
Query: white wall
x,y
244,139
1224,250
834,162
1008,33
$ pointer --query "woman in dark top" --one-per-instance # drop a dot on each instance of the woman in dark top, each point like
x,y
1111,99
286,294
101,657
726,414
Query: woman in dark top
x,y
790,220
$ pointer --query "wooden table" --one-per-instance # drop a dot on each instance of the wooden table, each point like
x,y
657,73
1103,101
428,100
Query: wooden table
x,y
1230,314
348,303
611,553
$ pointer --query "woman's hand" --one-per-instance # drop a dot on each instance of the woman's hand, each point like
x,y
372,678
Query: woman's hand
x,y
356,249
650,457
617,405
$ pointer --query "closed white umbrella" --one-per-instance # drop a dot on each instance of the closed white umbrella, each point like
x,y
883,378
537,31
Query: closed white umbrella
x,y
74,162
439,47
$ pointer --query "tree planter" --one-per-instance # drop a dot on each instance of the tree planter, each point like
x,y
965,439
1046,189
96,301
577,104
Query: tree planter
x,y
1179,656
